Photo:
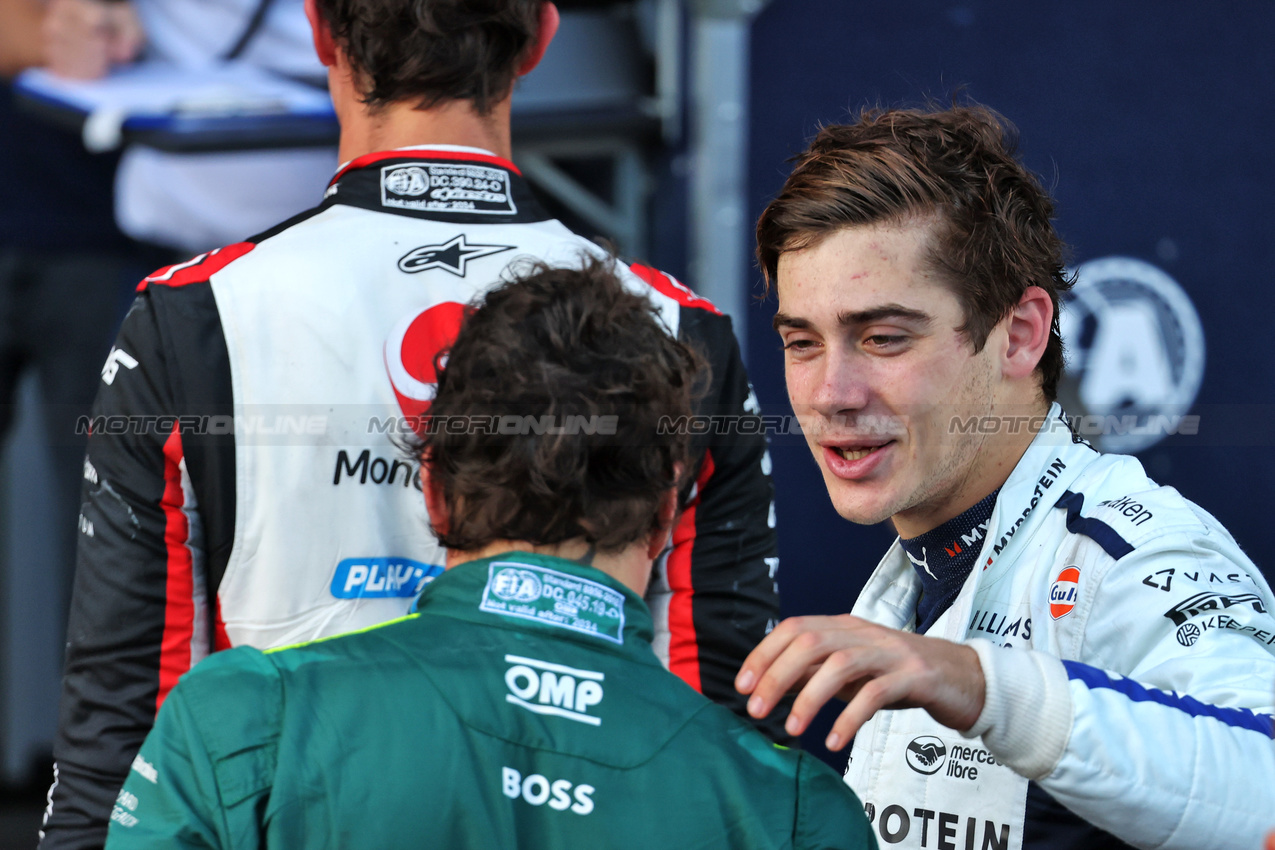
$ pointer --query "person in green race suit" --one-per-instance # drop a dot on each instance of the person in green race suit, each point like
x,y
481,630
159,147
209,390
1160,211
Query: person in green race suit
x,y
520,704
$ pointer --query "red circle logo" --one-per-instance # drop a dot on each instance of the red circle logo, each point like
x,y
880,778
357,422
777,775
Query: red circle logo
x,y
410,352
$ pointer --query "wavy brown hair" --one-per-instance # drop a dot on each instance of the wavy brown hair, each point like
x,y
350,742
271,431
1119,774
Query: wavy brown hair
x,y
994,234
560,343
434,50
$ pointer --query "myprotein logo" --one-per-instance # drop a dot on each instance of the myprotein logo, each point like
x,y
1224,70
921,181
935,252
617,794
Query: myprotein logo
x,y
545,688
946,828
381,578
926,754
1064,592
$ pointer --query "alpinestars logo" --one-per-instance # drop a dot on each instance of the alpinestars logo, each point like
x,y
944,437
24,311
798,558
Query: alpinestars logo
x,y
451,256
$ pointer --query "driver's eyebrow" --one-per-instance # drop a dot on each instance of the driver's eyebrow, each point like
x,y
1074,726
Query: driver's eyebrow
x,y
860,317
783,320
886,311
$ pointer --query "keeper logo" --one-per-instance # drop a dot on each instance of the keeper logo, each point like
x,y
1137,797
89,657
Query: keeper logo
x,y
542,687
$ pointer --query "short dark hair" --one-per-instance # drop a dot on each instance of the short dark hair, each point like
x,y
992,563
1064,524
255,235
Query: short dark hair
x,y
434,50
560,343
993,234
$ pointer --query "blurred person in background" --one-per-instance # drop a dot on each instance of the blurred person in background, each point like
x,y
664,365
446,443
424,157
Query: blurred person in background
x,y
1057,652
206,531
65,274
537,713
196,201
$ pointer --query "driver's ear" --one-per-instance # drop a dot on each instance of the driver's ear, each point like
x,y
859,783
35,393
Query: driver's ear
x,y
1027,333
324,44
666,516
545,31
440,517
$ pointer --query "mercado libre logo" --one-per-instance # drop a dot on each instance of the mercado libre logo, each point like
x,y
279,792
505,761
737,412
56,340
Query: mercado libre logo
x,y
410,351
926,754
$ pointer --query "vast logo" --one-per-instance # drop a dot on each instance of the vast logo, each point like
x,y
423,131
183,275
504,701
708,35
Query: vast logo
x,y
926,754
553,689
381,578
410,351
1202,602
1135,350
1064,592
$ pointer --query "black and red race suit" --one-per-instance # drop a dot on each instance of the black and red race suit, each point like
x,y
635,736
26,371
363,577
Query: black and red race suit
x,y
245,482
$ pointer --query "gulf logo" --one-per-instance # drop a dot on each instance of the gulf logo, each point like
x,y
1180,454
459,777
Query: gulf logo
x,y
1064,592
410,352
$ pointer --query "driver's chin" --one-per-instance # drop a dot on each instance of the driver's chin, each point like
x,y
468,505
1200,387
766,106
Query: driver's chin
x,y
862,505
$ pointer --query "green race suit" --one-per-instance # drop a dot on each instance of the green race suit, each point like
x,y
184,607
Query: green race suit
x,y
520,706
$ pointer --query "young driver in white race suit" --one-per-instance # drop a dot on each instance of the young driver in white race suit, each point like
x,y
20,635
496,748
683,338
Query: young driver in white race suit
x,y
1057,652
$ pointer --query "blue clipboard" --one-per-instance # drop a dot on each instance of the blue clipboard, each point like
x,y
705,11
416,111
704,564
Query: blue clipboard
x,y
225,107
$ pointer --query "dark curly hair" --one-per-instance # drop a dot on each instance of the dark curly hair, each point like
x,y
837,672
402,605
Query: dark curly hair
x,y
434,50
551,347
994,235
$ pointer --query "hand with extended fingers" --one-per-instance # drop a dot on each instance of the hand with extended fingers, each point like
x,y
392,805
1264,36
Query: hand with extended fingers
x,y
869,666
